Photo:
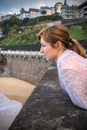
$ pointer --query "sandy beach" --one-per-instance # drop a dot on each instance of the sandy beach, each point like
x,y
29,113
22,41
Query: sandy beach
x,y
13,94
16,89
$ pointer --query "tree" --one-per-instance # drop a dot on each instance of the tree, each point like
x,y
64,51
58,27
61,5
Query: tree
x,y
6,29
25,21
14,20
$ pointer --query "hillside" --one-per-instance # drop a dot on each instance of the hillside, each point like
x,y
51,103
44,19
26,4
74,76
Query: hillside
x,y
28,34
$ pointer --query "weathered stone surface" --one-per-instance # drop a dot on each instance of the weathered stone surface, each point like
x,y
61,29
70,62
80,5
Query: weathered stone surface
x,y
2,63
28,69
4,71
50,108
2,60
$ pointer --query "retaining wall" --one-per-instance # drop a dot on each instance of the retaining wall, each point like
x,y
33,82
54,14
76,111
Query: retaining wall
x,y
28,66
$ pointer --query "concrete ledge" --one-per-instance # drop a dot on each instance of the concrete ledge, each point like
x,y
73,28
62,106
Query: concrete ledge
x,y
50,108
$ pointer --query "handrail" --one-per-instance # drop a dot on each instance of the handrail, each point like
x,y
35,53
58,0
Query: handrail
x,y
21,53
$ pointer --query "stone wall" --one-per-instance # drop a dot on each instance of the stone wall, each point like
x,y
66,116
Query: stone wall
x,y
50,108
2,63
30,69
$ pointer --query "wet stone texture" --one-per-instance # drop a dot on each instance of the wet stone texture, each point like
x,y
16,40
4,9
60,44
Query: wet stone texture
x,y
50,108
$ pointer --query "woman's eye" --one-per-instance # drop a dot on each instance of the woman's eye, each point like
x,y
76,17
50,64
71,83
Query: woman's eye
x,y
43,45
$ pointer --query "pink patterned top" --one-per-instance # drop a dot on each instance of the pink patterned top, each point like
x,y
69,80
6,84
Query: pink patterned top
x,y
72,72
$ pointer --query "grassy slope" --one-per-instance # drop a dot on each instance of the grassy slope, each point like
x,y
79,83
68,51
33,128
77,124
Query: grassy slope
x,y
78,34
17,39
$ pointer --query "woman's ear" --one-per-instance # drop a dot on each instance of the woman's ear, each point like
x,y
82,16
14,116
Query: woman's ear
x,y
58,44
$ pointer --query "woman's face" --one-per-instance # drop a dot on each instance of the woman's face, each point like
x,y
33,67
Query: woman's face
x,y
49,52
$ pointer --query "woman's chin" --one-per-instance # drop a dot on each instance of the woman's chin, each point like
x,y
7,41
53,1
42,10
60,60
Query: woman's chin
x,y
48,59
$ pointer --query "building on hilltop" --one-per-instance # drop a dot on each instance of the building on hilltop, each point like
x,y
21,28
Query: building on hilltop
x,y
58,7
6,17
34,13
23,14
66,11
45,10
83,9
52,10
69,12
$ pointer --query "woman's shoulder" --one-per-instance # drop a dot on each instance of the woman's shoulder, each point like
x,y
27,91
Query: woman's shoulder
x,y
71,60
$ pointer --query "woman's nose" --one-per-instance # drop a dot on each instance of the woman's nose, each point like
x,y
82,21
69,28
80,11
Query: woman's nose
x,y
41,50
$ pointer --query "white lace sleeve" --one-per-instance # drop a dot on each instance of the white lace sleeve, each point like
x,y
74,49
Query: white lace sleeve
x,y
75,87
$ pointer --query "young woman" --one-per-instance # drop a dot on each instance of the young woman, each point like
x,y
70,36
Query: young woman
x,y
70,57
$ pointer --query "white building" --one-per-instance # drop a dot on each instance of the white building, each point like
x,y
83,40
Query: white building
x,y
83,9
58,7
34,13
69,12
6,17
47,10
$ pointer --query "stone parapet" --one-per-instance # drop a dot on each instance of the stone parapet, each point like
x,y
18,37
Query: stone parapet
x,y
24,65
50,108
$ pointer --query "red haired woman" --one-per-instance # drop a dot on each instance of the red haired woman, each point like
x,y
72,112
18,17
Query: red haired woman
x,y
71,61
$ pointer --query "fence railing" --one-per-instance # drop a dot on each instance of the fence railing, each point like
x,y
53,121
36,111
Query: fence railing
x,y
35,54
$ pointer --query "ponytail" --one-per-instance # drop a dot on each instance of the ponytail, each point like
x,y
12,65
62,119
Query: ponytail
x,y
75,46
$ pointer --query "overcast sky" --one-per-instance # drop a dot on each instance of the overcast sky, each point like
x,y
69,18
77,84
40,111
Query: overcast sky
x,y
14,6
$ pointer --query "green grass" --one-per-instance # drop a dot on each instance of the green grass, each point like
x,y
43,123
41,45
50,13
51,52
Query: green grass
x,y
26,39
78,34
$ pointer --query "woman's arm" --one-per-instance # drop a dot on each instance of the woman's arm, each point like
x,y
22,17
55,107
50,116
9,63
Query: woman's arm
x,y
75,87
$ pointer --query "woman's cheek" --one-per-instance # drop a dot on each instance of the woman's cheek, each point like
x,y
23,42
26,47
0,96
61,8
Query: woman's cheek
x,y
45,50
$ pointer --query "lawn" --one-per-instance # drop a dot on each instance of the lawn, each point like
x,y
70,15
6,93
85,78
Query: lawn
x,y
78,34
